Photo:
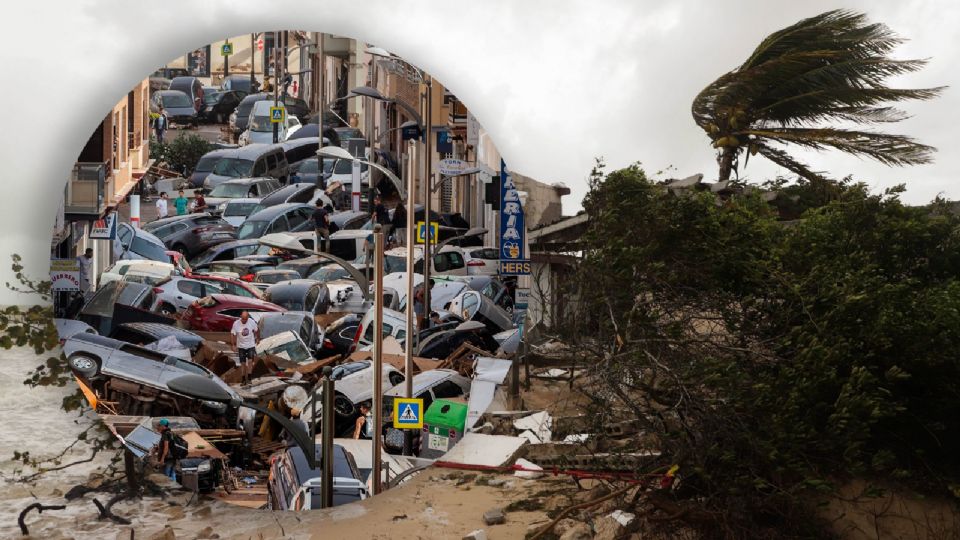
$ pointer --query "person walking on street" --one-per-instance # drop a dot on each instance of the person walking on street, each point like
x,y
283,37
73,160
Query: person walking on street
x,y
86,271
162,206
161,124
180,203
165,450
321,224
245,335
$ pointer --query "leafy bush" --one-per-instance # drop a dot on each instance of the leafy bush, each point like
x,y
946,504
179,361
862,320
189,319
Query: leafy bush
x,y
182,153
769,360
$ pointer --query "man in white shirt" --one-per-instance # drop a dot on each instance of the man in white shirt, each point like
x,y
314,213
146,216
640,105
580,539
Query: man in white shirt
x,y
244,337
162,206
86,271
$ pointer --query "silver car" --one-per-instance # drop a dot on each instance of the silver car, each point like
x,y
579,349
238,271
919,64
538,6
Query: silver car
x,y
177,293
96,359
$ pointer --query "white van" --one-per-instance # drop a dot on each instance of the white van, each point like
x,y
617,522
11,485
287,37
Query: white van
x,y
260,128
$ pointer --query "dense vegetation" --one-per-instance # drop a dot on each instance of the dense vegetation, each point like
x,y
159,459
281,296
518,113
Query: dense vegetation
x,y
772,360
182,153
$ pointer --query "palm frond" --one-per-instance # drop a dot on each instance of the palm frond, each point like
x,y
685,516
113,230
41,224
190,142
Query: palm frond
x,y
885,148
829,68
786,161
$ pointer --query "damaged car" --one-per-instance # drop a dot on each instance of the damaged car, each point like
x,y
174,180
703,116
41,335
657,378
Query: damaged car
x,y
353,386
136,378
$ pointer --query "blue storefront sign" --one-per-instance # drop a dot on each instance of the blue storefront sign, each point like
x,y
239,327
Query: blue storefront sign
x,y
512,228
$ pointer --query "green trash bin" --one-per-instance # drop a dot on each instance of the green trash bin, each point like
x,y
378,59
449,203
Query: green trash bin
x,y
443,425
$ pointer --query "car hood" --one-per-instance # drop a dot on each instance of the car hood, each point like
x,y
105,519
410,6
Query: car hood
x,y
213,180
217,200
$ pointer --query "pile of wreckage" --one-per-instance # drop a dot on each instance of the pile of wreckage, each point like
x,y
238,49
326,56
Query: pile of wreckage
x,y
123,353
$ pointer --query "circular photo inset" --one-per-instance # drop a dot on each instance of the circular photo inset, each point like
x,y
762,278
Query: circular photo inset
x,y
241,289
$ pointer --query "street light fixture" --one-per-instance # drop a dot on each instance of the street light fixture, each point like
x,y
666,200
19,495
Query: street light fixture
x,y
373,93
445,177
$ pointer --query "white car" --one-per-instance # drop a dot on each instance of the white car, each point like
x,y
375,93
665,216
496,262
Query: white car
x,y
236,211
133,243
293,124
354,385
343,173
177,293
260,128
449,261
482,261
143,266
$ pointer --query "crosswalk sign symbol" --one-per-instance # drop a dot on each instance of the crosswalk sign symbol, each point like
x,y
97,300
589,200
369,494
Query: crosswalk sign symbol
x,y
408,413
422,231
277,115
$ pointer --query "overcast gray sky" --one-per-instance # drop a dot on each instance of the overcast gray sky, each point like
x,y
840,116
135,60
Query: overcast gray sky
x,y
556,82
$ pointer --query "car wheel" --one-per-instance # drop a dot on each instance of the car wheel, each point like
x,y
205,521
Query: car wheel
x,y
167,309
342,405
395,378
87,366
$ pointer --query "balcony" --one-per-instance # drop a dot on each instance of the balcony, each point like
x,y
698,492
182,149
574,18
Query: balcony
x,y
85,192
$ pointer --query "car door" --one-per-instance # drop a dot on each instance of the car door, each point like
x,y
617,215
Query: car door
x,y
211,288
296,219
308,332
264,188
279,224
312,300
187,291
260,167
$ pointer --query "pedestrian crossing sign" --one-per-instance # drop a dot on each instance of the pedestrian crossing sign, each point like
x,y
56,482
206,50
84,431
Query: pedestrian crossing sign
x,y
408,413
226,49
422,232
277,115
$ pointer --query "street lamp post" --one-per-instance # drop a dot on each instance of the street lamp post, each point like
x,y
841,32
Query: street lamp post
x,y
428,195
425,130
377,358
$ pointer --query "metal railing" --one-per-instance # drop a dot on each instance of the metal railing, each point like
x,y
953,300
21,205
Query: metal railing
x,y
85,192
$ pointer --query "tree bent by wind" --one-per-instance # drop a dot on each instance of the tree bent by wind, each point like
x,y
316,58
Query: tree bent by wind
x,y
813,85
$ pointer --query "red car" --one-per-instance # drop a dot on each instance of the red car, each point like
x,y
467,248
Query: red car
x,y
216,313
231,286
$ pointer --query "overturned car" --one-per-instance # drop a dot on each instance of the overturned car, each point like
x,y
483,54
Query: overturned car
x,y
133,380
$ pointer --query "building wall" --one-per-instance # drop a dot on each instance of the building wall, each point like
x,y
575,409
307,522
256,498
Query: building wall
x,y
543,201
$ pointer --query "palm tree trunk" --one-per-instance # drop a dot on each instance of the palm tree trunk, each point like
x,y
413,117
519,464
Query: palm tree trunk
x,y
726,162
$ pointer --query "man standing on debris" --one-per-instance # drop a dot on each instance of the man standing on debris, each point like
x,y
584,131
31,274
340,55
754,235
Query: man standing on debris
x,y
244,337
166,450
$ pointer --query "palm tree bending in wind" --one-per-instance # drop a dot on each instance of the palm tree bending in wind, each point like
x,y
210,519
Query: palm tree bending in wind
x,y
801,84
